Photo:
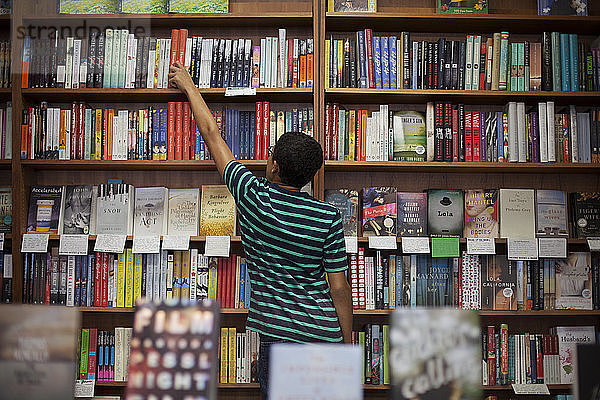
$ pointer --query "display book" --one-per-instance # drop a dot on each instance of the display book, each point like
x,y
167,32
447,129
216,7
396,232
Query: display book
x,y
351,5
451,132
148,7
117,58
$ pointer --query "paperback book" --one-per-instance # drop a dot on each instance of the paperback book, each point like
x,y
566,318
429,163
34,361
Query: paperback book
x,y
517,215
183,211
77,209
551,213
346,201
6,210
150,213
445,212
410,136
45,206
481,213
143,7
498,283
88,6
198,6
585,214
412,214
568,339
217,211
574,281
563,7
379,211
462,6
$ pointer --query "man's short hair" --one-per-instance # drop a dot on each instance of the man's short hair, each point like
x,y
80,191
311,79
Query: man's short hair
x,y
299,157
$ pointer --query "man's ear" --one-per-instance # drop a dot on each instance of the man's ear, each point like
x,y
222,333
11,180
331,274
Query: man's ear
x,y
275,168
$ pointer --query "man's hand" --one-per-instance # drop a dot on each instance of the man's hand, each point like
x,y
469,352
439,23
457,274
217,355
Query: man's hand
x,y
180,78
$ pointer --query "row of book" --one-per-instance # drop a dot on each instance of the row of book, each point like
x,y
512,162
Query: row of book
x,y
560,62
6,131
374,342
238,356
121,209
119,280
104,355
449,132
117,58
474,282
5,64
473,213
84,133
6,277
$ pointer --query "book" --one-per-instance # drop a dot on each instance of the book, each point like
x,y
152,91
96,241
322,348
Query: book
x,y
498,283
574,282
445,212
5,6
151,211
217,211
517,215
114,209
462,6
346,201
77,214
5,209
563,7
352,6
379,211
145,7
88,6
183,211
45,209
424,329
568,339
551,213
198,6
410,136
585,214
481,213
412,214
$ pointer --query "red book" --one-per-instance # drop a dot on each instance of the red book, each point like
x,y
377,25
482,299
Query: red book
x,y
178,130
438,143
539,359
354,280
81,132
265,134
491,356
186,130
333,137
566,133
302,74
228,300
327,129
370,67
258,132
183,33
93,347
290,63
47,280
455,134
111,117
482,65
468,137
476,136
97,281
234,281
105,280
174,46
361,278
504,353
448,143
171,131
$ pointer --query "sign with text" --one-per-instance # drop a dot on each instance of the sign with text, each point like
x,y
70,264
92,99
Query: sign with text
x,y
594,243
73,245
522,249
176,242
146,245
351,244
34,243
530,388
110,243
217,246
415,245
445,247
84,388
552,247
481,246
383,242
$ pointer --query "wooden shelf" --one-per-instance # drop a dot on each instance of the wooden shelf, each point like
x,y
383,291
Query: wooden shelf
x,y
126,310
501,388
130,238
376,387
111,384
456,23
100,95
5,93
415,96
503,313
238,385
465,167
133,165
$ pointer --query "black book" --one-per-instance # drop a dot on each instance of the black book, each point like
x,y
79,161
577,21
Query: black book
x,y
455,60
198,61
194,54
91,67
233,64
53,56
596,282
227,62
215,63
460,85
435,65
248,63
99,64
447,80
582,65
540,292
385,262
346,68
220,61
45,63
546,61
419,60
353,64
429,65
441,62
438,144
137,78
239,80
447,131
35,51
406,57
145,61
368,355
7,293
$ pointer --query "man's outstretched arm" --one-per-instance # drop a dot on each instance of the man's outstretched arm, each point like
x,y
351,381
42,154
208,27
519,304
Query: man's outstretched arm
x,y
179,77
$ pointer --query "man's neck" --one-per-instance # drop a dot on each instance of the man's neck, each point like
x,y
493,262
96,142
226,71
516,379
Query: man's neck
x,y
282,185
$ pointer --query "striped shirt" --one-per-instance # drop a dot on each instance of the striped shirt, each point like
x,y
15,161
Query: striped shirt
x,y
290,240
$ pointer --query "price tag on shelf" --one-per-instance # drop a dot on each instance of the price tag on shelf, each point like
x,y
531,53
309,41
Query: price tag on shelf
x,y
73,245
415,245
351,244
481,246
552,247
110,243
522,249
146,244
176,242
1,241
231,91
594,243
383,242
35,243
531,388
445,247
84,388
217,246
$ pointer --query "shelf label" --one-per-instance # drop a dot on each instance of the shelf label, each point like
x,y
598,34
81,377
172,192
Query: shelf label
x,y
552,247
232,91
594,243
217,246
35,243
351,244
531,388
415,245
110,243
146,244
383,242
481,246
73,245
176,242
84,388
445,247
522,249
1,241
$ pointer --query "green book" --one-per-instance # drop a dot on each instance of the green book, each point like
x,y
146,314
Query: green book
x,y
116,58
514,66
88,6
198,6
386,351
85,343
521,67
108,49
361,343
462,6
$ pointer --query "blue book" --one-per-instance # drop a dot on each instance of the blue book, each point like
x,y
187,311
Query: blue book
x,y
385,63
565,62
381,357
101,338
252,136
377,61
163,134
393,66
247,288
197,144
242,284
84,278
241,134
77,301
399,287
574,61
235,134
533,360
334,64
362,60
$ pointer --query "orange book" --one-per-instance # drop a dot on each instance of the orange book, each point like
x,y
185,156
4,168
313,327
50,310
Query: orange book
x,y
302,72
309,69
174,46
186,131
183,33
171,131
178,130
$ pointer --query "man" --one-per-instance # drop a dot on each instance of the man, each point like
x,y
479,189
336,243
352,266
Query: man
x,y
290,239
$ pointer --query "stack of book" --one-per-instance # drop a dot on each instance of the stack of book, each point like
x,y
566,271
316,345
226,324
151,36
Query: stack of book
x,y
238,356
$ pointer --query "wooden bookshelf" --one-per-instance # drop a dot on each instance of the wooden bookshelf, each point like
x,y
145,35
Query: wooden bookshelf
x,y
132,165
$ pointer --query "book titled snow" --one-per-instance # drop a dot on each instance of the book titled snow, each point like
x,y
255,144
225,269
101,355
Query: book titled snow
x,y
412,214
183,211
150,211
481,213
143,7
379,211
217,211
88,6
77,209
6,210
568,339
563,7
198,6
574,281
45,209
551,213
435,354
115,209
410,136
346,201
445,212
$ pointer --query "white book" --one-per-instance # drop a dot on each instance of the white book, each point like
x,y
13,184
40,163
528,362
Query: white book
x,y
388,133
517,213
430,126
568,338
116,59
263,61
118,352
282,81
149,275
382,133
193,273
521,132
573,129
274,62
188,53
163,275
399,64
476,55
550,131
71,281
69,64
151,67
114,209
156,276
543,133
208,62
150,211
108,49
131,41
124,46
268,60
513,141
165,65
469,63
76,63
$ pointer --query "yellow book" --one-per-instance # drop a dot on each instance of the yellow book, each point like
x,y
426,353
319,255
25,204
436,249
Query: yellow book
x,y
177,275
128,278
170,276
224,355
352,136
185,275
327,55
137,277
212,277
217,211
330,7
232,354
98,135
340,60
121,280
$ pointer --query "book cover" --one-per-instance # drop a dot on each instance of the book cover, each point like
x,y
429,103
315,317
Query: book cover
x,y
5,6
346,201
410,136
34,341
113,211
195,329
551,213
438,282
143,7
88,6
412,214
498,283
379,211
6,210
352,6
77,212
568,339
481,213
198,6
150,211
445,212
183,211
217,211
517,216
574,282
585,209
44,209
462,6
562,7
445,338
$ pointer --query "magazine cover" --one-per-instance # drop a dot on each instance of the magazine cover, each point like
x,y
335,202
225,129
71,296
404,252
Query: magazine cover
x,y
143,7
88,6
379,211
481,213
352,6
432,342
462,6
194,329
410,136
198,6
574,281
346,201
563,7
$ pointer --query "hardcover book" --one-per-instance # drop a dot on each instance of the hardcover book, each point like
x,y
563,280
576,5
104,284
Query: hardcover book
x,y
563,7
379,211
45,206
439,282
410,136
352,6
586,379
183,211
346,201
194,329
88,6
114,209
551,213
143,7
198,6
77,212
37,352
574,282
585,211
568,339
498,283
150,212
6,210
412,214
217,211
446,338
462,6
517,217
445,212
481,213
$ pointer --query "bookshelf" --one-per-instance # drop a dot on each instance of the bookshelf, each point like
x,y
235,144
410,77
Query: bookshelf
x,y
304,18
